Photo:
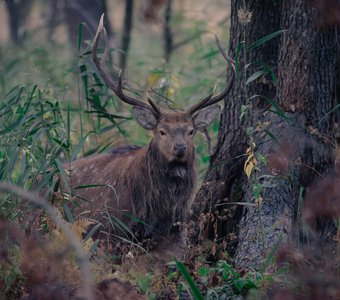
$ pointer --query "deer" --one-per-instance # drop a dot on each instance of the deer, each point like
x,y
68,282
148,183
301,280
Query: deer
x,y
147,188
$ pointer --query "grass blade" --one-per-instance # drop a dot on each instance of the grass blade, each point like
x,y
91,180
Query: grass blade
x,y
266,39
194,288
256,75
92,231
68,213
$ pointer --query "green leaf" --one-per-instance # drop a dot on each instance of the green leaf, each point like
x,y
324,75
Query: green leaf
x,y
210,54
89,186
273,138
257,189
68,124
277,111
194,288
327,114
144,282
244,283
64,177
265,39
80,145
68,213
244,109
256,75
237,56
203,271
80,35
92,232
61,143
45,180
94,247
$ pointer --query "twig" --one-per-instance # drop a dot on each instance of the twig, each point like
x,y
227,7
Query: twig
x,y
73,239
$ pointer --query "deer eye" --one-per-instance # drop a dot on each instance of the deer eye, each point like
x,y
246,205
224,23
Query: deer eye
x,y
162,132
191,132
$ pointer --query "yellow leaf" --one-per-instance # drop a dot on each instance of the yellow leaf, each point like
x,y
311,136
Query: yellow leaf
x,y
170,92
153,78
175,82
81,225
250,162
87,244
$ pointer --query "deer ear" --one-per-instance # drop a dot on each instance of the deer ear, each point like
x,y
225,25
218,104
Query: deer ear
x,y
204,117
144,117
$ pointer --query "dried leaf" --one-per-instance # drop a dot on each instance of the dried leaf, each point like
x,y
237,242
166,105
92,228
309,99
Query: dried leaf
x,y
250,162
153,78
170,92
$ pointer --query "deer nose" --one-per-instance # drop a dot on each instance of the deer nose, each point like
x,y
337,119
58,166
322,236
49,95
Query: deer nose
x,y
180,150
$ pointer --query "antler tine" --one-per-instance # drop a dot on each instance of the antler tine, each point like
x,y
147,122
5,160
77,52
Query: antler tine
x,y
157,109
199,105
211,99
192,109
116,88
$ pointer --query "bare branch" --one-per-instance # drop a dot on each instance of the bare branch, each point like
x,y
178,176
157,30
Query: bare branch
x,y
73,239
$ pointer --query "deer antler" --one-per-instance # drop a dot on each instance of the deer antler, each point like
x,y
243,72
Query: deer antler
x,y
211,99
116,88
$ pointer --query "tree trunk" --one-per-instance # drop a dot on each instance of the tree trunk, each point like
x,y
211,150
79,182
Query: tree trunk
x,y
18,12
223,182
126,35
84,11
168,40
289,145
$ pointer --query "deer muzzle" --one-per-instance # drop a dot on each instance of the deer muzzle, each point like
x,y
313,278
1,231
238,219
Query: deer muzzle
x,y
179,150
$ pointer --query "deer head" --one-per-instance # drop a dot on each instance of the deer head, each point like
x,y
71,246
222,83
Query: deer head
x,y
173,130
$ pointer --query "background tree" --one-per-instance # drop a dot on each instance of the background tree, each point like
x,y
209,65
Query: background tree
x,y
18,12
83,11
279,125
168,39
126,34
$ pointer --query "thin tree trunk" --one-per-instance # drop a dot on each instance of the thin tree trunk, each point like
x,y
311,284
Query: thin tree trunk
x,y
84,11
168,40
14,18
17,11
126,37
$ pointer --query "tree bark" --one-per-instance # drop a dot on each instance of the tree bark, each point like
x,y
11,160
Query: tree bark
x,y
223,182
84,11
291,145
18,12
168,40
126,36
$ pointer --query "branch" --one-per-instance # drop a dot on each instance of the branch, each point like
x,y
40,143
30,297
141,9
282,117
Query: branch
x,y
73,239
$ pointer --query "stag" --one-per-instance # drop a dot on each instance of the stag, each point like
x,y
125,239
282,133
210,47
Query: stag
x,y
149,187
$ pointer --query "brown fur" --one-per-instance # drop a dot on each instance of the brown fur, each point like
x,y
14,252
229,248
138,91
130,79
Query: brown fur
x,y
149,183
